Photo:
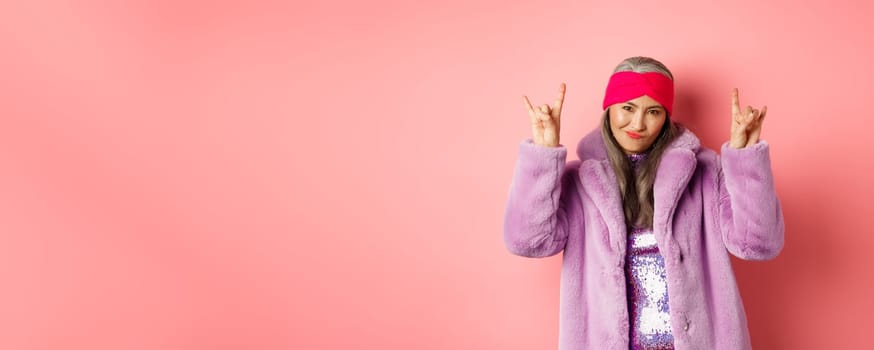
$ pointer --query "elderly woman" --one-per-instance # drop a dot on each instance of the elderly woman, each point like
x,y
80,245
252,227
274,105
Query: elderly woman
x,y
645,218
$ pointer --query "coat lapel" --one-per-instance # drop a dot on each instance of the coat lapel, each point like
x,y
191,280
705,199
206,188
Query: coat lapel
x,y
599,181
675,170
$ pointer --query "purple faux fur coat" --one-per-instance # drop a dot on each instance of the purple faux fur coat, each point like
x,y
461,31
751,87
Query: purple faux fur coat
x,y
706,206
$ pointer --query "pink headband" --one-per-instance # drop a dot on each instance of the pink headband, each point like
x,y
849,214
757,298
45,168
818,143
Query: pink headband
x,y
624,86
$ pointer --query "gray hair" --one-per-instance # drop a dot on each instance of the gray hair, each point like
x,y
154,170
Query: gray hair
x,y
642,64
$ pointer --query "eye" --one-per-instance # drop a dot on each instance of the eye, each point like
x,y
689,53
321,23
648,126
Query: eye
x,y
627,108
655,111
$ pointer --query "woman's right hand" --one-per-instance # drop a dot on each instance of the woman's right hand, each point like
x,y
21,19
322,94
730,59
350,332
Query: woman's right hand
x,y
546,120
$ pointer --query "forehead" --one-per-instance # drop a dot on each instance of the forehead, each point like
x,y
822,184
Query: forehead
x,y
644,102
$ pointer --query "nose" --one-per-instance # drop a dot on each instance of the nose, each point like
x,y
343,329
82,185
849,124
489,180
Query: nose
x,y
636,123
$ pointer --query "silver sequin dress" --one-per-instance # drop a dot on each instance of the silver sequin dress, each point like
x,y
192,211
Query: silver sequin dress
x,y
650,320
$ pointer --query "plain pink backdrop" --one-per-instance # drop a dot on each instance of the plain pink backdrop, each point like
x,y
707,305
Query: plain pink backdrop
x,y
332,175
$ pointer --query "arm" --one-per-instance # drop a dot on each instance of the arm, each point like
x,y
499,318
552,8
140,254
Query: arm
x,y
749,212
535,219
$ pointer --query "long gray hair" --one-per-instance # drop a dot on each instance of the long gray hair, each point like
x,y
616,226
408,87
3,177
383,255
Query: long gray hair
x,y
637,191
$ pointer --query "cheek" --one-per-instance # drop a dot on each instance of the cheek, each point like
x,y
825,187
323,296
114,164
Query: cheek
x,y
656,126
618,117
656,123
615,123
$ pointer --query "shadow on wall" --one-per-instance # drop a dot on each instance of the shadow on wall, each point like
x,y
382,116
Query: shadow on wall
x,y
772,290
690,105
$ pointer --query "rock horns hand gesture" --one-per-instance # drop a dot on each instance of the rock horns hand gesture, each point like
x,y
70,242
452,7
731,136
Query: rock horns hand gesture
x,y
546,120
746,124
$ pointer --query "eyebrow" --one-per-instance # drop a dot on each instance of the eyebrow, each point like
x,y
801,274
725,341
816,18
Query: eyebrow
x,y
632,103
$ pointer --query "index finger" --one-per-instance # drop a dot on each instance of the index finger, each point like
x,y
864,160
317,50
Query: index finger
x,y
559,100
528,105
735,104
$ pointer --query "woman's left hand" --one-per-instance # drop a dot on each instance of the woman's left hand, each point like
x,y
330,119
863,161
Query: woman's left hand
x,y
746,124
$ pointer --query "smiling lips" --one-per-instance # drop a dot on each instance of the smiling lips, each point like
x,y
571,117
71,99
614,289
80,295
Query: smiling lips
x,y
633,135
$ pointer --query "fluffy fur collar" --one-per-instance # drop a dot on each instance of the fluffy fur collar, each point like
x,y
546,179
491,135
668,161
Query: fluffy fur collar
x,y
675,169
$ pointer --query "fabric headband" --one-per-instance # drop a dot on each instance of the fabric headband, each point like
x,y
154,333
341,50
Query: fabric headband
x,y
624,86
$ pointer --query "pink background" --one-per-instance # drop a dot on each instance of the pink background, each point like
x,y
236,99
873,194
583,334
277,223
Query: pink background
x,y
332,175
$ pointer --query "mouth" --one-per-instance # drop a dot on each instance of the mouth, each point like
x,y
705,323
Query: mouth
x,y
633,135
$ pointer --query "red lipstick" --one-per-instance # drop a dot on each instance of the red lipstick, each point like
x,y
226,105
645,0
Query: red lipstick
x,y
633,135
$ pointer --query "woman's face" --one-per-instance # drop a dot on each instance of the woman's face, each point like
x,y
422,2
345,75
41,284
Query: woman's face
x,y
636,123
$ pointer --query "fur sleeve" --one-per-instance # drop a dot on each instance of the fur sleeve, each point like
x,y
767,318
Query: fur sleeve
x,y
749,213
535,217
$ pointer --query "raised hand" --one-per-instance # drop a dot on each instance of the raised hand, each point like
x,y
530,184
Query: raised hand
x,y
746,124
546,120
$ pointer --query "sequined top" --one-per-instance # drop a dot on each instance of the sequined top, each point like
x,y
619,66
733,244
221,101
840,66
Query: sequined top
x,y
647,290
